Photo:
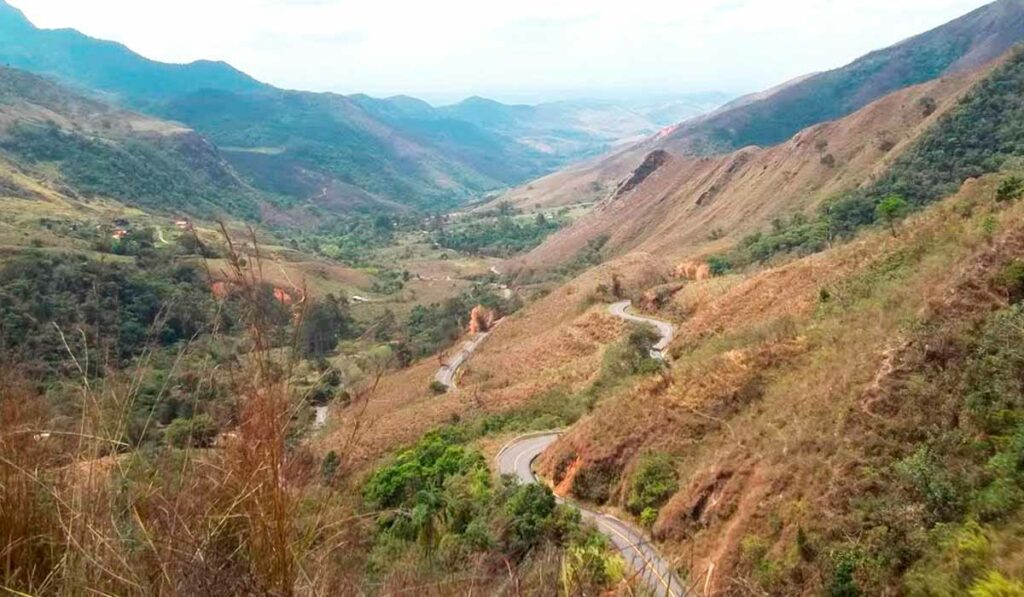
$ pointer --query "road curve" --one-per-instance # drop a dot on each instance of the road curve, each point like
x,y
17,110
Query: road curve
x,y
516,459
446,374
666,330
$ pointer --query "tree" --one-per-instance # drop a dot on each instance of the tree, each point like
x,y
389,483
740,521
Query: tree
x,y
891,210
530,509
326,322
654,481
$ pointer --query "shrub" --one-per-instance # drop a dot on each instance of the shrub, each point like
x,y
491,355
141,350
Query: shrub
x,y
958,554
719,265
587,567
329,467
1010,189
593,483
995,584
197,432
928,105
843,582
932,482
995,373
1011,279
654,481
424,467
437,388
530,509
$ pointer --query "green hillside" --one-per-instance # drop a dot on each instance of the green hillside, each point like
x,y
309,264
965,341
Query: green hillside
x,y
89,149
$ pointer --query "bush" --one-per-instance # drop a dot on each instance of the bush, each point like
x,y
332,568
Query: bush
x,y
654,481
1011,279
423,468
719,265
995,373
932,482
437,388
593,483
587,567
530,509
996,585
1010,189
197,432
843,583
329,467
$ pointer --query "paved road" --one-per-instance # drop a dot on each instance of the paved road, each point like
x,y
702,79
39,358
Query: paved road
x,y
517,458
446,374
321,416
665,329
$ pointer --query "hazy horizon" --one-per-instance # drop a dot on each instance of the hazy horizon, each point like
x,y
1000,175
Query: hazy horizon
x,y
530,52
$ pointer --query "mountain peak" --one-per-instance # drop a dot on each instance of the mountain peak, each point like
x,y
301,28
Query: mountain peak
x,y
11,18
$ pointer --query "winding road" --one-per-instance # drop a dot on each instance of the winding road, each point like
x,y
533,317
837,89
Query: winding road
x,y
666,330
446,374
516,459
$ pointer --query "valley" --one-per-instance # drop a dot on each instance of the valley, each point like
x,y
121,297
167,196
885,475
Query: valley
x,y
276,342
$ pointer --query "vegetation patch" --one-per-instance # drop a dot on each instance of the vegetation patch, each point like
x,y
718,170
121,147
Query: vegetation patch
x,y
438,504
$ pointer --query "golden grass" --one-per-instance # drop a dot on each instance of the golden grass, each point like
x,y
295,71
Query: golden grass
x,y
767,379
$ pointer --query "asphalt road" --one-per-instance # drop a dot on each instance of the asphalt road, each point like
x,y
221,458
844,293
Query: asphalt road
x,y
665,329
446,374
517,458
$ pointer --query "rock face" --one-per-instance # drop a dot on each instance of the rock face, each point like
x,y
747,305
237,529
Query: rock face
x,y
480,319
654,160
693,270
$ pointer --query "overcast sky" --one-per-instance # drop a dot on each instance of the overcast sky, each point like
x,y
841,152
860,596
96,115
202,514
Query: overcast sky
x,y
520,50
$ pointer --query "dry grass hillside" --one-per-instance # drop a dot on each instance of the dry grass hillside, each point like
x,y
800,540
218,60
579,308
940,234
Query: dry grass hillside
x,y
557,342
797,401
690,200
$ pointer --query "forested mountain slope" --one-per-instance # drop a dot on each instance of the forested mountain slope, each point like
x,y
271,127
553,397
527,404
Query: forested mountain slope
x,y
83,149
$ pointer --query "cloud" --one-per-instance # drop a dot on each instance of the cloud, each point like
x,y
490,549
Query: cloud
x,y
462,47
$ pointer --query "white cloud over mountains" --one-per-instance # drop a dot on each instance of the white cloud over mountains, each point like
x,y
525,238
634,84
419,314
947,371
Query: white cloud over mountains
x,y
527,49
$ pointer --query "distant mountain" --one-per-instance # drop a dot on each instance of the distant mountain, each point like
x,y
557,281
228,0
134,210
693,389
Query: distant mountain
x,y
107,66
583,127
330,146
773,116
958,46
341,152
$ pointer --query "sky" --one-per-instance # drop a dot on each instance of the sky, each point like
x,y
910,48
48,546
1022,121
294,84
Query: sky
x,y
523,50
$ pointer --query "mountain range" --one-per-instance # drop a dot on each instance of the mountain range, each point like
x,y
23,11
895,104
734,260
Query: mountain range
x,y
785,135
333,152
